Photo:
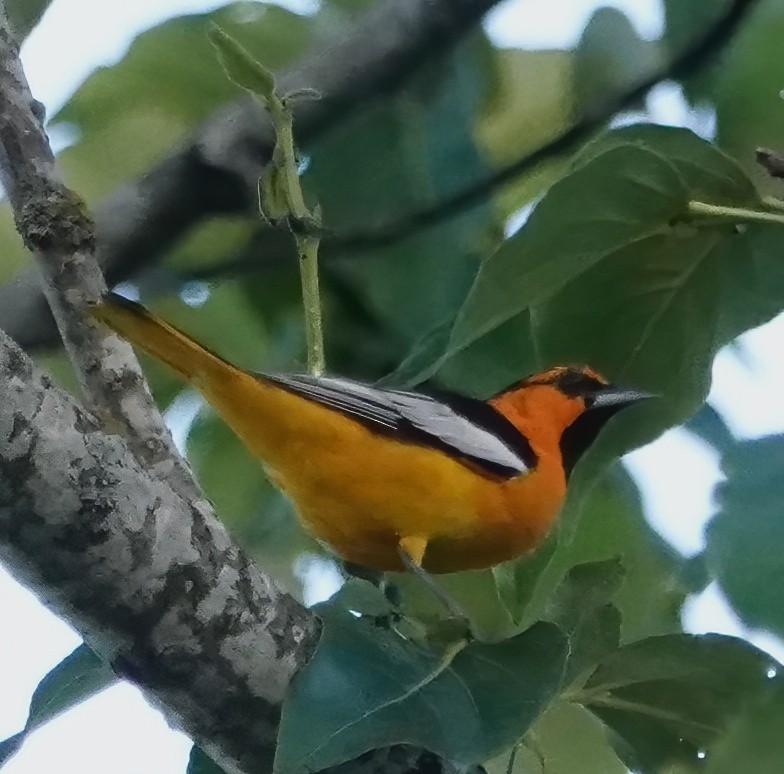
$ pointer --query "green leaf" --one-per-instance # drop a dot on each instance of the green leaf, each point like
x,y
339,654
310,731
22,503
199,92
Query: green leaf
x,y
744,538
517,581
567,739
709,174
78,676
365,689
475,591
641,193
754,741
610,57
581,607
654,312
240,66
666,699
610,524
654,277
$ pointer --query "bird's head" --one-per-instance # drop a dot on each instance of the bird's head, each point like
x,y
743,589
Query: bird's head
x,y
563,407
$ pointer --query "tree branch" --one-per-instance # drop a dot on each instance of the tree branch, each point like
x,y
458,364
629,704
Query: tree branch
x,y
694,56
267,241
217,170
56,228
150,579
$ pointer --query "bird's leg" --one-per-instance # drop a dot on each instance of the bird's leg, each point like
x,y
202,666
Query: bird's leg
x,y
412,551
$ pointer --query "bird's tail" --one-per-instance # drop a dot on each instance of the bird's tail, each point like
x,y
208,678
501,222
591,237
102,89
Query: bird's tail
x,y
162,340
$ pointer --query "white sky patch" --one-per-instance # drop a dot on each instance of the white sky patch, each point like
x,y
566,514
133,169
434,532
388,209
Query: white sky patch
x,y
26,622
709,611
76,36
748,382
677,474
320,577
114,731
180,415
536,24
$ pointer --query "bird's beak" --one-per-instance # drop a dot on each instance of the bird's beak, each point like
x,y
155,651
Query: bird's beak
x,y
619,397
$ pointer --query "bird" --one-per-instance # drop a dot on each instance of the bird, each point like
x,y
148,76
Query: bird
x,y
391,479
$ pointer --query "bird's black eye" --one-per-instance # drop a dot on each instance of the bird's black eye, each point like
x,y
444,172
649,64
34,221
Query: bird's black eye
x,y
589,400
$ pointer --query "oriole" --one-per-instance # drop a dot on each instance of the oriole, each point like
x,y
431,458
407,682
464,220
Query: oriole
x,y
391,478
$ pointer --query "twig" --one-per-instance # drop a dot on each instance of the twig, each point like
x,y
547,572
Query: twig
x,y
280,191
771,161
734,214
151,579
216,171
694,56
56,228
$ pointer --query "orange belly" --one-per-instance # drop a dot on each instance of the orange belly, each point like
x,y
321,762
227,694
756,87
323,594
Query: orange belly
x,y
361,491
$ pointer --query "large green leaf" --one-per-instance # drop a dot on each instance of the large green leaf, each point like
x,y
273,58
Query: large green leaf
x,y
626,247
654,312
641,194
366,688
582,607
666,699
753,742
744,538
77,677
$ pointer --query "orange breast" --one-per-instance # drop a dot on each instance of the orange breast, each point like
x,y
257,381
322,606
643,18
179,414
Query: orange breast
x,y
361,491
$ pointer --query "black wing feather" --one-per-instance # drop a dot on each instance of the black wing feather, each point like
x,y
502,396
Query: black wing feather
x,y
463,427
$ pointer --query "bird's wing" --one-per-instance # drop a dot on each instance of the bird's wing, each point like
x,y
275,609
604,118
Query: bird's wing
x,y
463,427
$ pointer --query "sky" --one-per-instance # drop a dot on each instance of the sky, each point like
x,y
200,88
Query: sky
x,y
677,473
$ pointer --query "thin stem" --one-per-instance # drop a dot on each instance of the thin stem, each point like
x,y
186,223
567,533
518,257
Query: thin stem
x,y
736,214
283,121
307,243
311,302
280,192
303,223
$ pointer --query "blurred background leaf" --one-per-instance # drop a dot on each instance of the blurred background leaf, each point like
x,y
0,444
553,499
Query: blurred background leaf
x,y
745,535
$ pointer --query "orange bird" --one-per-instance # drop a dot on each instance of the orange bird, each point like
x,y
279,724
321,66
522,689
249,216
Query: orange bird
x,y
390,479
